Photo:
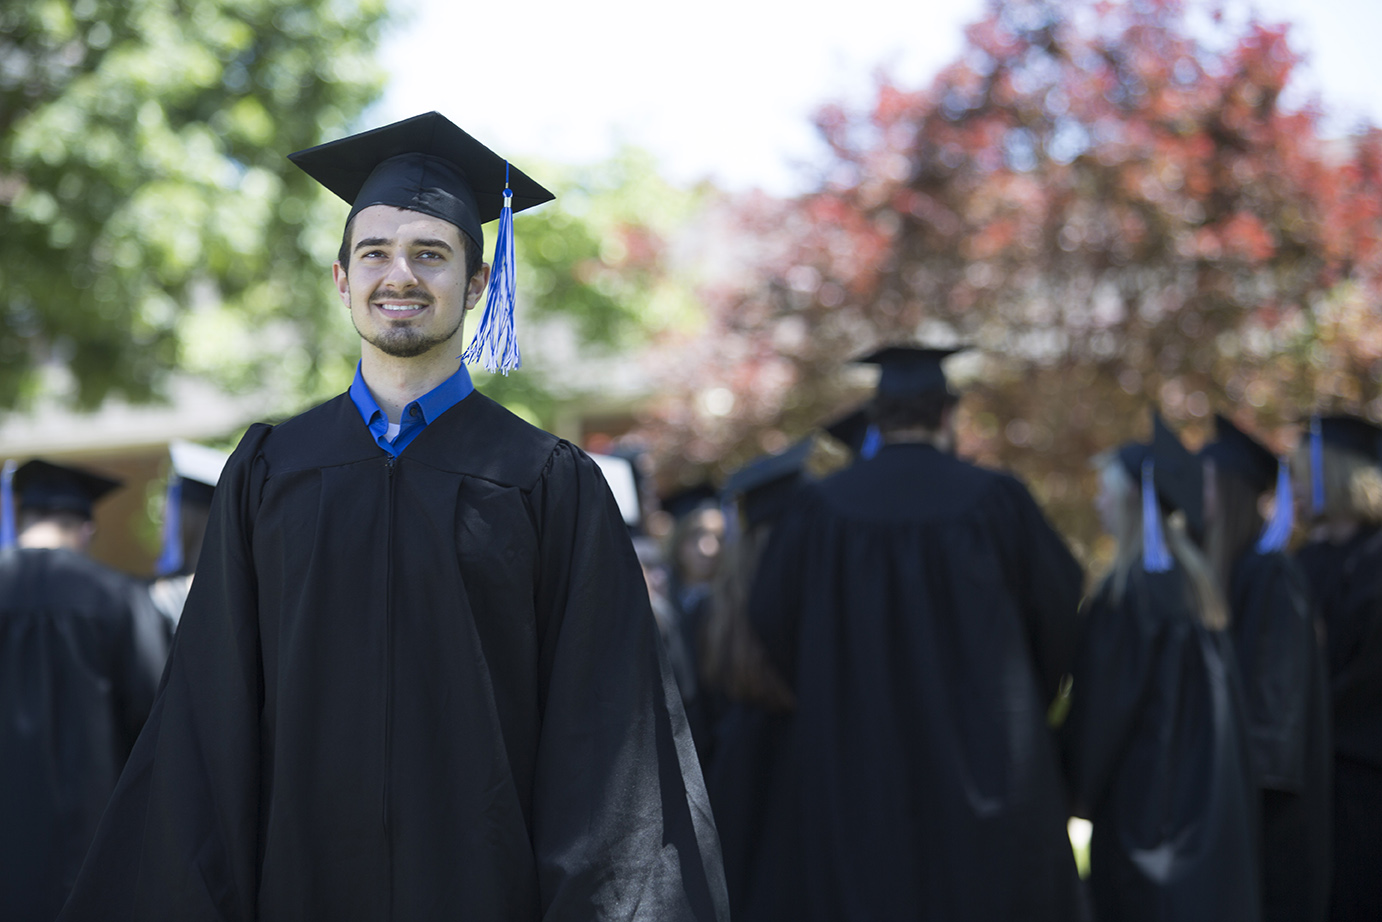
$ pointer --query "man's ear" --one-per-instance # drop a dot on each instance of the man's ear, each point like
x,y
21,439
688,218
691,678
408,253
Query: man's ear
x,y
338,273
476,286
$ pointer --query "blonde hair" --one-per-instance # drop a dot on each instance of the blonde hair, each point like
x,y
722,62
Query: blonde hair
x,y
1127,531
1352,483
734,661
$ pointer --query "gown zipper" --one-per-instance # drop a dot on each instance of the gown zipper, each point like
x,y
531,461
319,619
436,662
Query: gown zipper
x,y
389,463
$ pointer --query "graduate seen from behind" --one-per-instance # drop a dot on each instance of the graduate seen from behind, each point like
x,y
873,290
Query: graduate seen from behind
x,y
416,677
922,611
1157,748
1277,646
1338,465
81,650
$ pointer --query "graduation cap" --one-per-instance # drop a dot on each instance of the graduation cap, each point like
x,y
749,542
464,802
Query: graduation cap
x,y
765,486
910,370
428,164
686,501
192,480
1170,476
46,487
1348,433
1235,452
622,479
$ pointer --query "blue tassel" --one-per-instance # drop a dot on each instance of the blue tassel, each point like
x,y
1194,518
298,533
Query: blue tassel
x,y
1316,466
170,560
1155,557
873,441
1278,531
8,531
494,344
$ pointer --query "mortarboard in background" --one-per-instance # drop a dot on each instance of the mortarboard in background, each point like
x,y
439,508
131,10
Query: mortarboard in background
x,y
619,474
1177,475
1235,452
911,370
47,487
687,500
1352,433
765,486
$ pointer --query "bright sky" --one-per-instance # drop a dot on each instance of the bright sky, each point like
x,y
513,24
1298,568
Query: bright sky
x,y
725,89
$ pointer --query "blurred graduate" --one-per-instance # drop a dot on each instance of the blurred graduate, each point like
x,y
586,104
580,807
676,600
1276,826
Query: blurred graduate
x,y
1156,740
1339,484
922,613
1280,659
193,472
81,651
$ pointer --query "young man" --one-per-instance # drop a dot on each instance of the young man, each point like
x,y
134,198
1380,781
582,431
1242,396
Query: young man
x,y
923,612
417,676
81,650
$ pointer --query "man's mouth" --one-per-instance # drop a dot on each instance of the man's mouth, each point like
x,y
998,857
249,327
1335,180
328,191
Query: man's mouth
x,y
394,307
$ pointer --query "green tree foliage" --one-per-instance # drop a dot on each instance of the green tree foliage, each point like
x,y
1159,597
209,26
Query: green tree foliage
x,y
148,216
1113,205
598,279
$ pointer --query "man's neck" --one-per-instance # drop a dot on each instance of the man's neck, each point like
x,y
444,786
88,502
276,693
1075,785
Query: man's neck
x,y
397,382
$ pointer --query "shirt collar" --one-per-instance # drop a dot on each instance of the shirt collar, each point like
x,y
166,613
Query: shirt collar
x,y
432,404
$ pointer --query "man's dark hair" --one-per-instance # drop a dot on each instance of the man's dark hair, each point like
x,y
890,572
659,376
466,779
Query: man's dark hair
x,y
471,249
890,414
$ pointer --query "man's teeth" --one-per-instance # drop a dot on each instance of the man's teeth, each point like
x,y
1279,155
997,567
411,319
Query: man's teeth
x,y
400,307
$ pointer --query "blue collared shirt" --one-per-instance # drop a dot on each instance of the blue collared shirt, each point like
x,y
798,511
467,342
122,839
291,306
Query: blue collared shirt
x,y
416,415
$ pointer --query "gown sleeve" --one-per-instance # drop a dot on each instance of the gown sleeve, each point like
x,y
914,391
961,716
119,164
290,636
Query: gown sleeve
x,y
141,655
622,828
1046,578
179,838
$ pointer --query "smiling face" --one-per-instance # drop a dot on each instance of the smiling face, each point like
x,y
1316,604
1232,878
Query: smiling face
x,y
406,286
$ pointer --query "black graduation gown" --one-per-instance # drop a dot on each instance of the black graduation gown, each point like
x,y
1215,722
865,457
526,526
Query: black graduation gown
x,y
81,650
1158,759
1286,692
923,611
1346,581
422,688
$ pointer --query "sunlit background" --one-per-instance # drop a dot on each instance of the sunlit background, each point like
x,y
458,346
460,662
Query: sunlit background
x,y
749,194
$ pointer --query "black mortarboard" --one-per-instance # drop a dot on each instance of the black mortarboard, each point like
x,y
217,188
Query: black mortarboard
x,y
1235,452
424,163
687,500
1177,475
766,485
1352,433
851,429
47,487
910,371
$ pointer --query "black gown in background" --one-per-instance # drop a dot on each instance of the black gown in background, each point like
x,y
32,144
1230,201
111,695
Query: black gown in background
x,y
1287,696
1158,759
416,688
923,611
81,650
1346,581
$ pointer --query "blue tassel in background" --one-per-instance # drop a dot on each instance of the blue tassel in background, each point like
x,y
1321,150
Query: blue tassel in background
x,y
1155,557
1278,531
170,559
8,536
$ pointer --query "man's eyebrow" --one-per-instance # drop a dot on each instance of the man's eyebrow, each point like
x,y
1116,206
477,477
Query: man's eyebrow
x,y
428,242
436,244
